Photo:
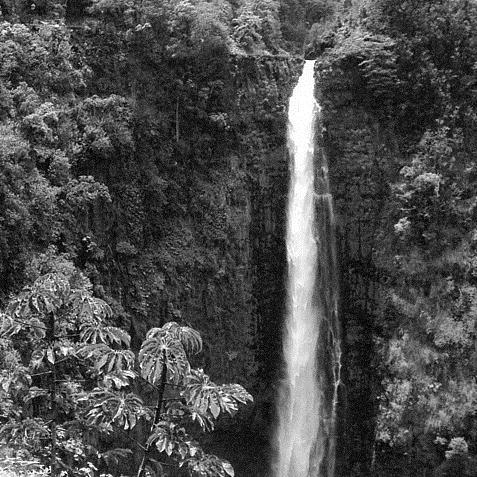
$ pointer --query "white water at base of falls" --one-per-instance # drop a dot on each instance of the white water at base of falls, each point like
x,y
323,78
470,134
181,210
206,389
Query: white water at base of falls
x,y
305,437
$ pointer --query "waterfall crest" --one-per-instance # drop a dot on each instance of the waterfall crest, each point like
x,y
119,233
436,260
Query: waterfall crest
x,y
305,438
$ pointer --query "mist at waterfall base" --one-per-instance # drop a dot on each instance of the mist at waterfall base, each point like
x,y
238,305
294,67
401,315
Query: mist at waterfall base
x,y
305,435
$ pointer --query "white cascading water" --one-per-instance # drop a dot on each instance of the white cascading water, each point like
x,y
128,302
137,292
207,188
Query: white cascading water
x,y
305,438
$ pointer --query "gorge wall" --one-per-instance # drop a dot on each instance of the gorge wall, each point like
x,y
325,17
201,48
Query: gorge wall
x,y
197,222
364,156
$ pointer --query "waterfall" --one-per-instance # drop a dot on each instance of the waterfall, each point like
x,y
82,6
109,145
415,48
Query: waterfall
x,y
305,438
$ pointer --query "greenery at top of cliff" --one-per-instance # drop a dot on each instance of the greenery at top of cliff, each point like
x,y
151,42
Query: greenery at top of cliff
x,y
413,61
240,26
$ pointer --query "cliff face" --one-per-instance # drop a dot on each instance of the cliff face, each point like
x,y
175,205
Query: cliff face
x,y
196,226
364,155
197,223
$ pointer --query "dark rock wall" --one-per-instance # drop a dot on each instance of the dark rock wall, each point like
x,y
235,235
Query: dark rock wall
x,y
202,201
364,156
196,226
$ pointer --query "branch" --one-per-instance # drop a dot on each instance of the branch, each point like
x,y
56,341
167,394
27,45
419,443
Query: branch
x,y
20,322
40,374
70,380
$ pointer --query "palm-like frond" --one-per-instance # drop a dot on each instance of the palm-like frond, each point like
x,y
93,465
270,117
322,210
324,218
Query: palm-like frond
x,y
161,349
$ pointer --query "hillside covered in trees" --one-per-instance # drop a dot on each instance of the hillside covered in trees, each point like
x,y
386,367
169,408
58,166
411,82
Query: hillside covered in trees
x,y
143,185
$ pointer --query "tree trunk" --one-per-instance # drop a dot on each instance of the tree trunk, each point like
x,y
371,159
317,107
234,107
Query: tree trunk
x,y
157,415
54,417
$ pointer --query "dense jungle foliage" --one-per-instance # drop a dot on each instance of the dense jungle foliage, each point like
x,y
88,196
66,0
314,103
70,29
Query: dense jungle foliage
x,y
126,223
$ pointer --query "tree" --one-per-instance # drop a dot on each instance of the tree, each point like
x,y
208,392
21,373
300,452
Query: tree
x,y
45,326
183,396
64,334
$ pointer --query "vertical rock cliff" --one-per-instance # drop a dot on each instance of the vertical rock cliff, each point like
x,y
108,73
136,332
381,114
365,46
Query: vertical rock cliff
x,y
196,226
364,158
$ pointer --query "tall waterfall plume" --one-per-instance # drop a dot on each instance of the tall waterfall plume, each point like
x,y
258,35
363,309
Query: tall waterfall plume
x,y
306,433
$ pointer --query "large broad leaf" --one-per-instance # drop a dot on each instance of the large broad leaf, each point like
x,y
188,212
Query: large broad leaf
x,y
118,408
173,440
25,431
235,392
47,294
207,400
37,357
107,360
9,327
89,309
52,283
229,470
119,379
93,351
209,465
96,332
159,350
189,338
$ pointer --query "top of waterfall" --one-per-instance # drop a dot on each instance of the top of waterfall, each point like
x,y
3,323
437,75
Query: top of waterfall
x,y
302,111
305,88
